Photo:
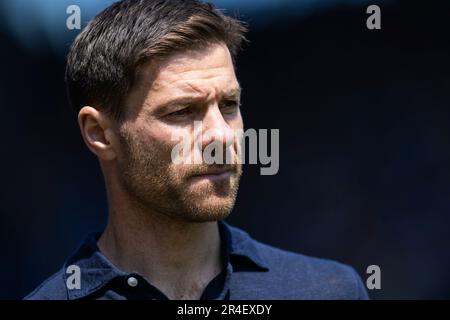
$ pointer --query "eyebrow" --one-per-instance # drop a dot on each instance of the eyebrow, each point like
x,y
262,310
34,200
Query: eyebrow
x,y
184,100
233,93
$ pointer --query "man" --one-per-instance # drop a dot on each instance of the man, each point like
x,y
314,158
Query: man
x,y
140,74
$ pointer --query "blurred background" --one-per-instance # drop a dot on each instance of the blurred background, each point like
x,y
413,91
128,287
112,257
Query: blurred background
x,y
364,123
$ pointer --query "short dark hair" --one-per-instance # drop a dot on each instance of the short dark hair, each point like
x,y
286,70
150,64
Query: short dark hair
x,y
104,58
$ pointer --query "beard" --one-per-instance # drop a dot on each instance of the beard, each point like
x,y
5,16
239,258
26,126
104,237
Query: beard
x,y
153,181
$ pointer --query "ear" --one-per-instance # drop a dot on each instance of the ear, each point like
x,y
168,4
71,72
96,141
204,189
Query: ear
x,y
98,133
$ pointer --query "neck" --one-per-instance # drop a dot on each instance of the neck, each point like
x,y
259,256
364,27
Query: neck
x,y
179,258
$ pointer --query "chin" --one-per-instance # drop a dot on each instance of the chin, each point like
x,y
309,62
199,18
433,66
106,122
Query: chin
x,y
210,210
213,193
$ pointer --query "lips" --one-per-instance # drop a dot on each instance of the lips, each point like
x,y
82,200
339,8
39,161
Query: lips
x,y
214,174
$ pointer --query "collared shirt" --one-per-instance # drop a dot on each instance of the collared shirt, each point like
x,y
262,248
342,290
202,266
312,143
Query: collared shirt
x,y
252,270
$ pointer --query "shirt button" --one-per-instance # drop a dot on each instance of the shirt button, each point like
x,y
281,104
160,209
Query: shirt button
x,y
132,282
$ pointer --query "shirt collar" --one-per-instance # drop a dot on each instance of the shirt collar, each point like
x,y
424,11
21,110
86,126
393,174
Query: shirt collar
x,y
241,245
97,271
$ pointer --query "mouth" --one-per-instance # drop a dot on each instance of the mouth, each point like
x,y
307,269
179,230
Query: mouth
x,y
213,175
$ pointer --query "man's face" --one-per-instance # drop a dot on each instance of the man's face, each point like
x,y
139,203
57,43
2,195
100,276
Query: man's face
x,y
195,85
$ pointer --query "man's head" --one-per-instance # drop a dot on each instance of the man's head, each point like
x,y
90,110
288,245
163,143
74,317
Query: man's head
x,y
140,74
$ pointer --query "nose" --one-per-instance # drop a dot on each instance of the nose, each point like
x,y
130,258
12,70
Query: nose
x,y
215,128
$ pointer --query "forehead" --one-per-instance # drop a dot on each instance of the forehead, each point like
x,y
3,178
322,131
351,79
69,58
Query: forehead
x,y
207,72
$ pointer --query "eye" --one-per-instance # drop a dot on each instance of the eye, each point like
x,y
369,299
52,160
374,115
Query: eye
x,y
229,106
181,112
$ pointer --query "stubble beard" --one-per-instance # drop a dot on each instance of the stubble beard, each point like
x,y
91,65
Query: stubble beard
x,y
153,182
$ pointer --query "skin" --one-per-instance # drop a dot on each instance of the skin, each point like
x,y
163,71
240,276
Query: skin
x,y
163,216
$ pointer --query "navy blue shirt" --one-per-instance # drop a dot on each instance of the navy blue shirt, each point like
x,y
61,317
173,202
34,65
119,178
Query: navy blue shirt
x,y
252,270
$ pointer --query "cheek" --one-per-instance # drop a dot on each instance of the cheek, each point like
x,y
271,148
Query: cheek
x,y
171,136
237,123
160,139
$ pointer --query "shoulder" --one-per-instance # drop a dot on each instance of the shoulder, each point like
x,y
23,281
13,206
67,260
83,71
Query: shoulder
x,y
53,288
293,275
318,278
